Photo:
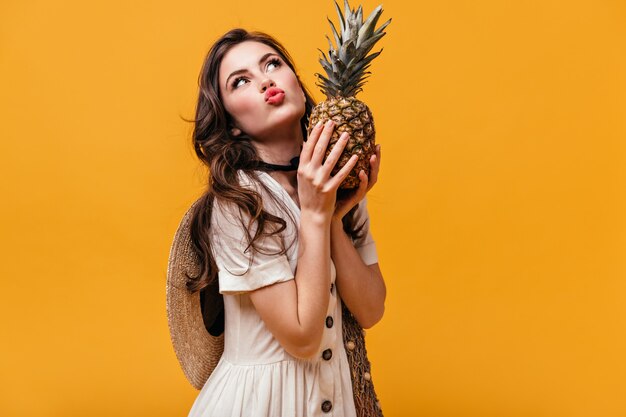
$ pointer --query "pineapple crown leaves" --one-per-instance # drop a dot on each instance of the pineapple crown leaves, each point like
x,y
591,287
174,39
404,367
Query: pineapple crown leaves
x,y
347,62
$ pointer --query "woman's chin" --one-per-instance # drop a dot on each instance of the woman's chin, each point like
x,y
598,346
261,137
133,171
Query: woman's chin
x,y
287,120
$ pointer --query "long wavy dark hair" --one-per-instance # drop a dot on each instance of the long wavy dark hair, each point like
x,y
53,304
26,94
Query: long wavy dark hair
x,y
225,155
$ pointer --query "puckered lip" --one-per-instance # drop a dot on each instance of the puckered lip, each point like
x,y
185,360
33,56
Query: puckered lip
x,y
272,91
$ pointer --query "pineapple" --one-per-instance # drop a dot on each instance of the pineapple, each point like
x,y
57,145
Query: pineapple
x,y
345,74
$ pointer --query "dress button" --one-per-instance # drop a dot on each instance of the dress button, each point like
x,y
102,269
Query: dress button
x,y
350,345
327,354
327,406
329,322
332,285
367,376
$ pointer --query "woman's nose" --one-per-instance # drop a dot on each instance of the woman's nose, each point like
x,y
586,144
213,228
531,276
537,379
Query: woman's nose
x,y
267,83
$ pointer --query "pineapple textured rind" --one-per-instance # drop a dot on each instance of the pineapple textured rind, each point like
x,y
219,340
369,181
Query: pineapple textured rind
x,y
352,116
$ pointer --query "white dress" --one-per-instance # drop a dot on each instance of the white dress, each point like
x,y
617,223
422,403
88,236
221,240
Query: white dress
x,y
255,376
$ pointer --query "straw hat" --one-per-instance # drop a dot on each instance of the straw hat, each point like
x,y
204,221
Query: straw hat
x,y
197,349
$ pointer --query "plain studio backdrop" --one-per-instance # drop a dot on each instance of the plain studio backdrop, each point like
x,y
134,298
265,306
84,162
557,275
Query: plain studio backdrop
x,y
499,212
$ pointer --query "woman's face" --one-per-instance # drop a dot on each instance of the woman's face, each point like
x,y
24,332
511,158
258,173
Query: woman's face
x,y
246,73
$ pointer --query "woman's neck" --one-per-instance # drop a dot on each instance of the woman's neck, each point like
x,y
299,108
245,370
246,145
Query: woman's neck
x,y
281,149
289,181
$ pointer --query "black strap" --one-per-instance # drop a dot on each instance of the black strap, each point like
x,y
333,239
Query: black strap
x,y
293,165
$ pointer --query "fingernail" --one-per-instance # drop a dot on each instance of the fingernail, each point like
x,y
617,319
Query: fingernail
x,y
329,123
319,123
344,135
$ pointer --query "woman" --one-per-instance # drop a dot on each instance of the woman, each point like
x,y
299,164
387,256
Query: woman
x,y
267,229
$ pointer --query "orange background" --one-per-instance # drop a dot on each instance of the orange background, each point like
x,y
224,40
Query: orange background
x,y
499,214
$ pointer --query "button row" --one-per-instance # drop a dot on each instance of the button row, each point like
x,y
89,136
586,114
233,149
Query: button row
x,y
328,354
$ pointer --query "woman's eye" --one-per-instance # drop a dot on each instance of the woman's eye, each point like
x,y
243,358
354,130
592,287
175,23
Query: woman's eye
x,y
275,62
237,81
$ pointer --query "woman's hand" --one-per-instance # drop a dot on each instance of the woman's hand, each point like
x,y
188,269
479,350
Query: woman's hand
x,y
344,205
317,190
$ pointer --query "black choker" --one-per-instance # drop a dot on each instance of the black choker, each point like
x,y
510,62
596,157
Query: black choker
x,y
293,165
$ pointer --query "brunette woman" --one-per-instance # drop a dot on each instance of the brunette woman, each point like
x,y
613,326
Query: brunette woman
x,y
285,249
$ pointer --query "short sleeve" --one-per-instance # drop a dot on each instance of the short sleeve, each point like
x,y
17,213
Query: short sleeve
x,y
365,245
229,241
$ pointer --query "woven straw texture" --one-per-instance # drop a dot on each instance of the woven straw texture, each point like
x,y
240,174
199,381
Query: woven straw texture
x,y
196,349
365,399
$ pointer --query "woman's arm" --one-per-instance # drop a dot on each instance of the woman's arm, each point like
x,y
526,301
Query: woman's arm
x,y
361,286
294,310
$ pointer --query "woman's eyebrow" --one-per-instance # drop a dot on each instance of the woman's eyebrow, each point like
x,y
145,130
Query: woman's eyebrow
x,y
263,58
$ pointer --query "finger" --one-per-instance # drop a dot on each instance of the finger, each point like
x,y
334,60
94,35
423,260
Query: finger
x,y
309,145
338,178
363,185
335,153
360,191
377,153
322,142
374,167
